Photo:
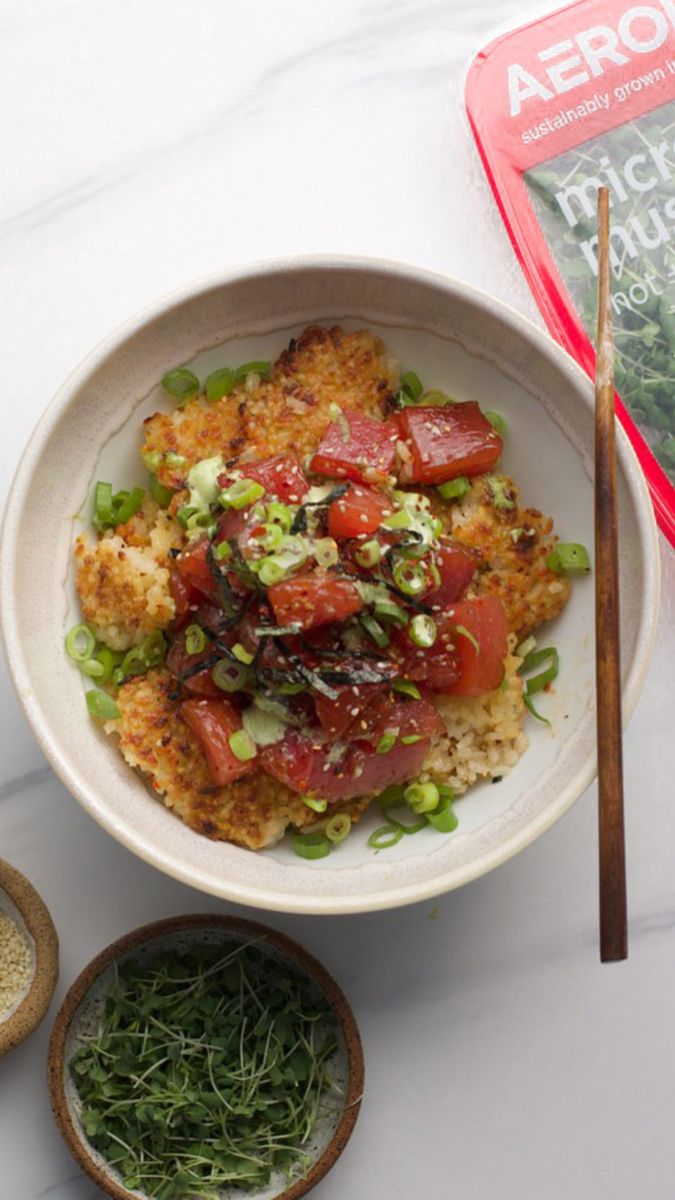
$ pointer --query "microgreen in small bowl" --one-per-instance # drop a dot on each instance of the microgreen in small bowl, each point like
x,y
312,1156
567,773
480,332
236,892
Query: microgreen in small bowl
x,y
205,1056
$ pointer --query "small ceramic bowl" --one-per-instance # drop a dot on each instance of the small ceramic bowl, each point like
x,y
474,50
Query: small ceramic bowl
x,y
88,991
458,340
21,904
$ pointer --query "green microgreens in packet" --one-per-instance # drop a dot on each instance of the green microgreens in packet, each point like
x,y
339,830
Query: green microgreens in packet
x,y
563,193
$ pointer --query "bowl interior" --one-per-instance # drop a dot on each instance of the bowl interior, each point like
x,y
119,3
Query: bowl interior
x,y
456,340
81,1013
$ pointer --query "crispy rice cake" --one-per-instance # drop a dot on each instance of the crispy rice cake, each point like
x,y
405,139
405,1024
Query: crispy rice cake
x,y
289,411
254,811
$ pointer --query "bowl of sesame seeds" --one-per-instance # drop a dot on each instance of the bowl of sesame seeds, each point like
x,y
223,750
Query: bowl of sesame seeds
x,y
29,958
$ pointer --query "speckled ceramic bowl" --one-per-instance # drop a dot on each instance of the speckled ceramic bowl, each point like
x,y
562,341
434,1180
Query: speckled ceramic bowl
x,y
21,904
458,340
332,1131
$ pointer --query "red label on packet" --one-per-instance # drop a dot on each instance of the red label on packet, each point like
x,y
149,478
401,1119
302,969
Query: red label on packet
x,y
580,98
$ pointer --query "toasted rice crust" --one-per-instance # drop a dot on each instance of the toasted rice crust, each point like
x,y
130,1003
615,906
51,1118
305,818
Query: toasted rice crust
x,y
514,545
290,411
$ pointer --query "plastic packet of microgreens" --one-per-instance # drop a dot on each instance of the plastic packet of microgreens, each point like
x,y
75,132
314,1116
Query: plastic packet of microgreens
x,y
579,98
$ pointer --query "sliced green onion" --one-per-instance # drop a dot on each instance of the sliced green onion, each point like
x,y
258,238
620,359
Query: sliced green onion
x,y
422,631
242,745
315,803
199,521
422,797
413,502
222,551
181,383
152,460
529,704
160,494
375,630
411,578
103,505
280,514
394,797
444,818
496,420
219,383
153,648
407,688
411,387
338,827
385,836
80,643
241,494
93,669
410,739
195,639
369,554
525,647
388,610
174,460
133,663
466,633
271,537
101,666
292,689
242,654
387,741
229,676
400,519
454,489
406,827
311,845
251,368
127,504
436,398
270,571
107,660
535,659
326,552
102,706
185,513
569,556
293,552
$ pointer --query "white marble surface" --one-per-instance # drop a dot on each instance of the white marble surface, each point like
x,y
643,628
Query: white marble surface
x,y
147,143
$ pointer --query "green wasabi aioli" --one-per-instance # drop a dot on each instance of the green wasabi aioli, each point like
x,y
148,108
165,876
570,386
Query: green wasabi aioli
x,y
202,481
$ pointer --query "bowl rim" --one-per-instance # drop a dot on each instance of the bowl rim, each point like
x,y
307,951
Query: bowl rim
x,y
38,921
146,934
169,863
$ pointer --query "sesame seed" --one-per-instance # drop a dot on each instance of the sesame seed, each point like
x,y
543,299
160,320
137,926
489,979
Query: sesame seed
x,y
16,962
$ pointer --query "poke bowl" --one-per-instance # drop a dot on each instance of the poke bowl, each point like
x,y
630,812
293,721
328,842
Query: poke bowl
x,y
320,539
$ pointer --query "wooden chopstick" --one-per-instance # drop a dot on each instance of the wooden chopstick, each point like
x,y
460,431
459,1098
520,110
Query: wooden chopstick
x,y
613,926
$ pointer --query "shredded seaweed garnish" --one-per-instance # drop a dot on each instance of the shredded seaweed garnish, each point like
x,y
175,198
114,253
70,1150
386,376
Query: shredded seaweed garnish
x,y
226,595
207,1069
299,524
306,674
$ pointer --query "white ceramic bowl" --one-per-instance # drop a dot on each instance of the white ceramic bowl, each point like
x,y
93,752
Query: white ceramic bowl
x,y
458,340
